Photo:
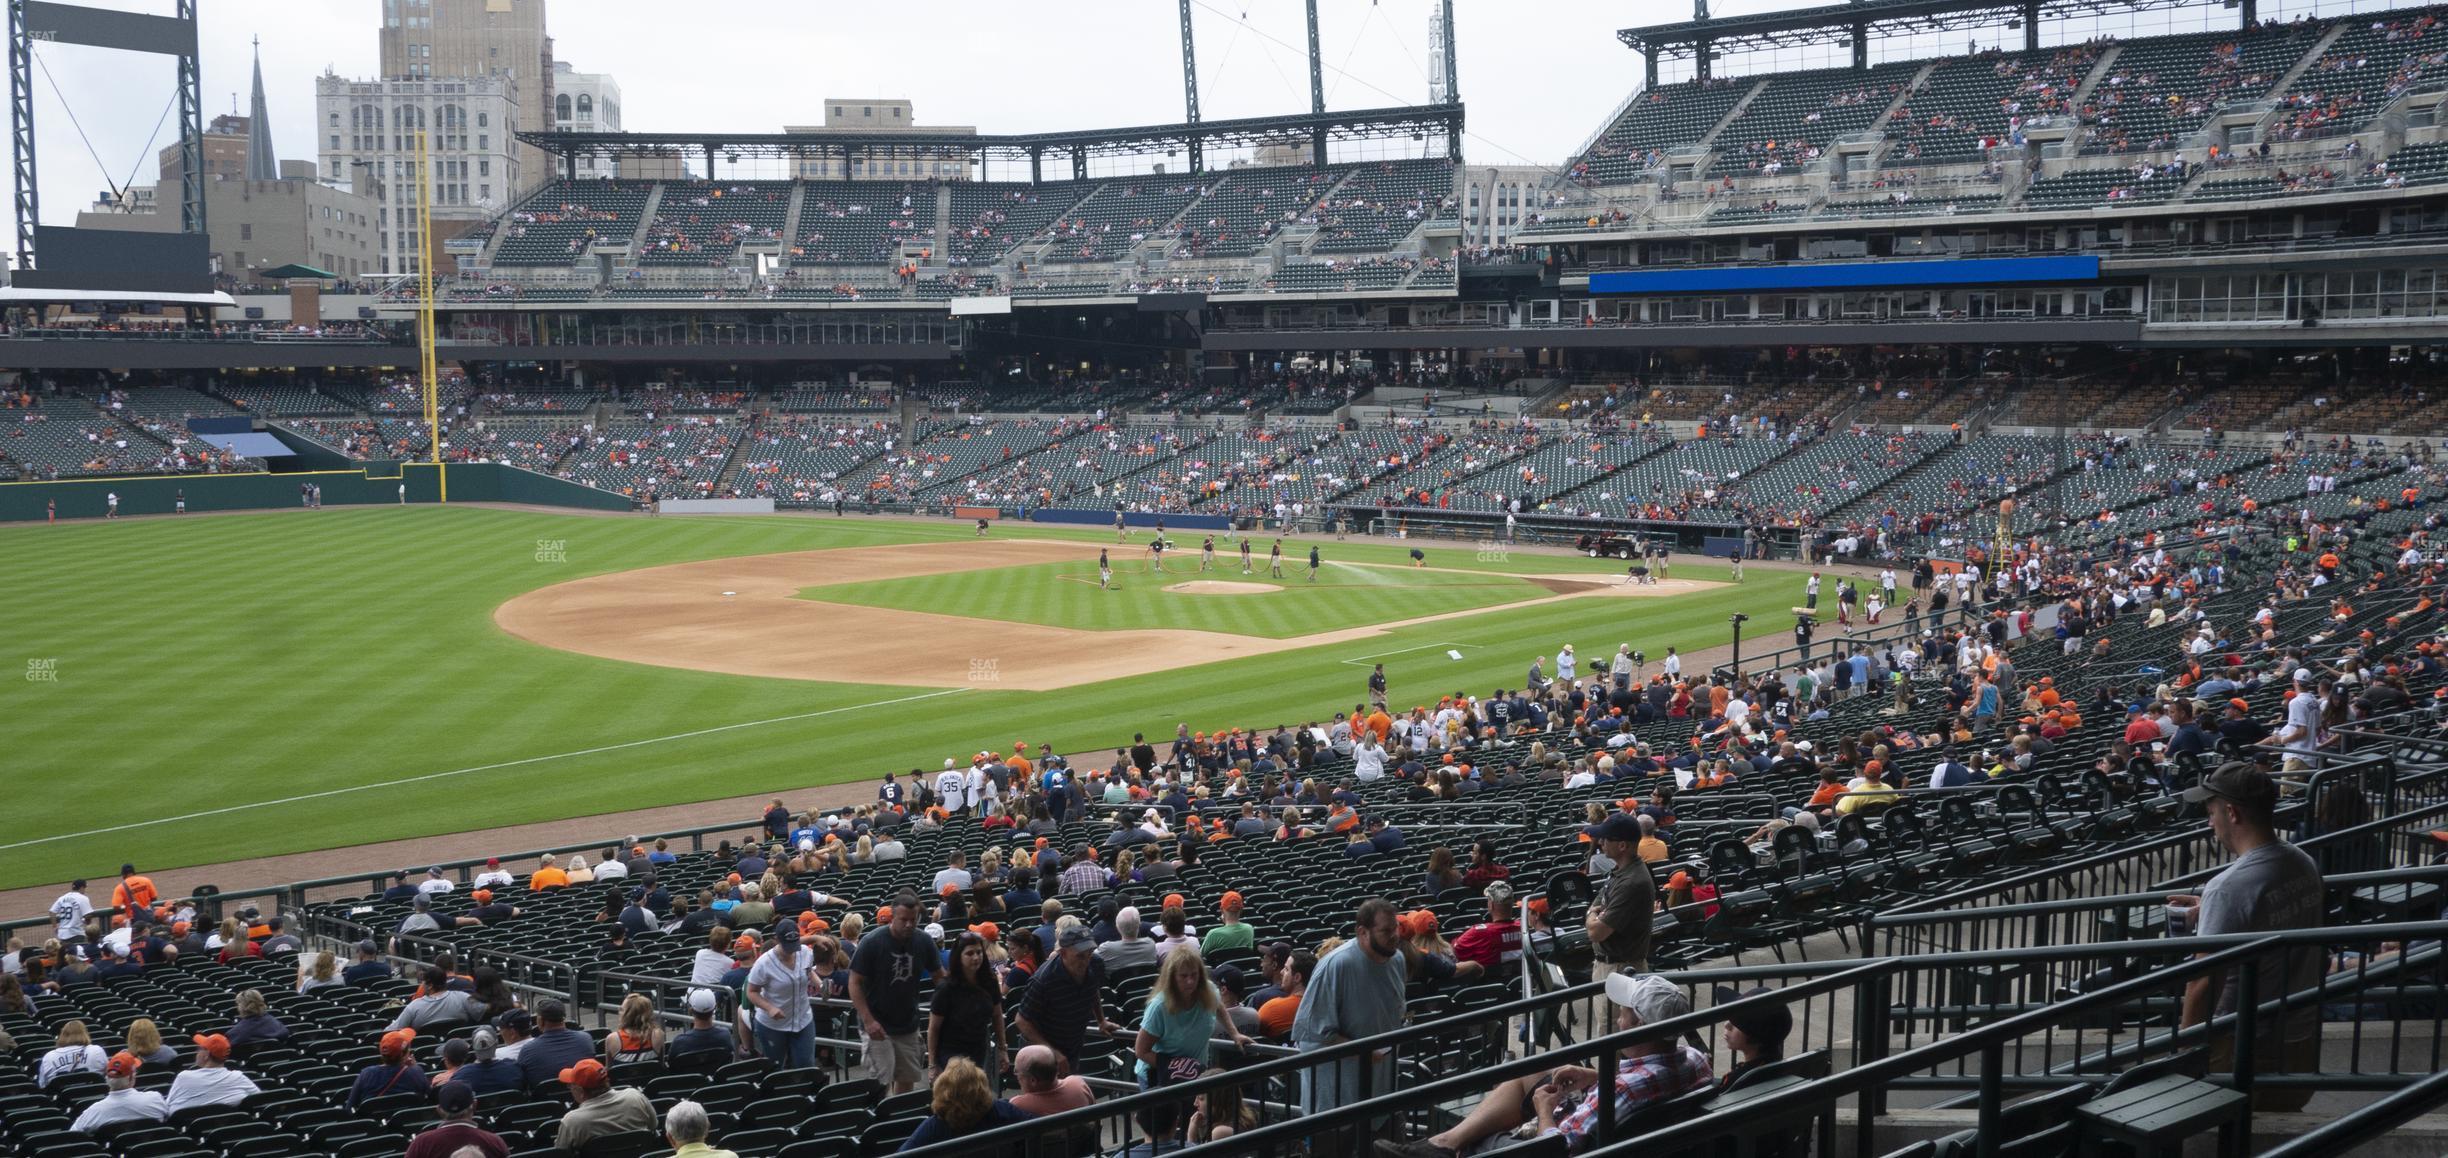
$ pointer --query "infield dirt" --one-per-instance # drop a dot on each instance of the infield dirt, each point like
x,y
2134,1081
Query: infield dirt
x,y
742,616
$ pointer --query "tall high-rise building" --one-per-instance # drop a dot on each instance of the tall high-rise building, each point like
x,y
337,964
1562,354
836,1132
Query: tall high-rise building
x,y
454,39
472,74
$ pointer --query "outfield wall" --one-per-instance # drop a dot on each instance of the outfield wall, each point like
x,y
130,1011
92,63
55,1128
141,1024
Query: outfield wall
x,y
365,485
1092,517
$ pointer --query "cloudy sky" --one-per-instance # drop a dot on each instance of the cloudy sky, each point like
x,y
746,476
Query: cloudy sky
x,y
1538,75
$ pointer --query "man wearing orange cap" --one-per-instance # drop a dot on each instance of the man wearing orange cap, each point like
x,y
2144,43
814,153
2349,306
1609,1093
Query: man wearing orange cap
x,y
393,1073
122,1102
597,1110
209,1081
1230,932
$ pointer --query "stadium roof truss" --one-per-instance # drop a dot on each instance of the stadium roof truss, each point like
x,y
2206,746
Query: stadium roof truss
x,y
1856,24
1031,148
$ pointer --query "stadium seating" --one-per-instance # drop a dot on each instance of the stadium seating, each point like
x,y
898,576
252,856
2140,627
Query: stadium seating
x,y
1665,117
61,437
1800,113
1243,211
1382,204
796,458
668,457
1969,104
2160,89
2088,188
1115,219
564,219
1340,276
989,220
704,223
290,401
2372,61
861,222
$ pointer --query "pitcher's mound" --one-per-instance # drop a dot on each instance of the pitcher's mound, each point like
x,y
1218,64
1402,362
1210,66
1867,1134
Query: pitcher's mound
x,y
1223,587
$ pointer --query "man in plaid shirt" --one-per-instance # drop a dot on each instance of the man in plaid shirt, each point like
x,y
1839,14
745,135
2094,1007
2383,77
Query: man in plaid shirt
x,y
1085,875
1564,1101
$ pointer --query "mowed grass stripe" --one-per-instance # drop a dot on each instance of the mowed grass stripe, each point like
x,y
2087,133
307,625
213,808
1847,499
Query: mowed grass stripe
x,y
1066,594
248,658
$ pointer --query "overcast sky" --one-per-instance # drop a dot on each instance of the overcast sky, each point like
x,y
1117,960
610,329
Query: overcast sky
x,y
1538,76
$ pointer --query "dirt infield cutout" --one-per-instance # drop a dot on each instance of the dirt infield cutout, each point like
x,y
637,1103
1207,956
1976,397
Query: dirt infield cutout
x,y
1223,587
741,616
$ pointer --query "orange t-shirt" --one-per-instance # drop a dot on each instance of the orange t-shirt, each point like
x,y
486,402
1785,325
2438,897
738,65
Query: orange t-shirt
x,y
135,893
1826,795
1020,767
548,878
1275,1017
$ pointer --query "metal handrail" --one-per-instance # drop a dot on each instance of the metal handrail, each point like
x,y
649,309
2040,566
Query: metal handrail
x,y
2347,1133
2241,951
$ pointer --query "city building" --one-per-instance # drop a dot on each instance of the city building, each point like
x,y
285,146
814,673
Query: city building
x,y
368,138
586,102
466,39
261,212
951,162
1497,199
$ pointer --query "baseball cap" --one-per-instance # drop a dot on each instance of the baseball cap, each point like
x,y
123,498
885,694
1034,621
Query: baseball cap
x,y
2239,704
787,935
1231,903
701,1001
122,1064
1653,997
487,1042
587,1074
454,1098
492,862
212,1043
2238,783
1175,901
1620,826
988,930
1228,977
1766,1024
1500,891
1074,938
518,1019
368,946
396,1042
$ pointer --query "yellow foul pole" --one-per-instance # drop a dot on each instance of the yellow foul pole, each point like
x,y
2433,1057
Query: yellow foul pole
x,y
425,318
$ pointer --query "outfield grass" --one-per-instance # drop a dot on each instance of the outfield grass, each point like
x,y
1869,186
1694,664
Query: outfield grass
x,y
248,685
1067,595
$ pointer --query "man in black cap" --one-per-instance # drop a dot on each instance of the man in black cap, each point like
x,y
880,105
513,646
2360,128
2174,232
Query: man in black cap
x,y
369,966
457,1105
1756,1034
2271,886
1618,923
1065,998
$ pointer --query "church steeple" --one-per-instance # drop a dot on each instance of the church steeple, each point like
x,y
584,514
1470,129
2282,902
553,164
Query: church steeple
x,y
263,164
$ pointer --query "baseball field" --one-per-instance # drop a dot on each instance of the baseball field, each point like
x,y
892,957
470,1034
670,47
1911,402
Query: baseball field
x,y
197,690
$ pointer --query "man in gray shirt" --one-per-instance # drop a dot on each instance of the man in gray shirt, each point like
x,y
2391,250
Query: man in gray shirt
x,y
2271,886
1619,923
1356,992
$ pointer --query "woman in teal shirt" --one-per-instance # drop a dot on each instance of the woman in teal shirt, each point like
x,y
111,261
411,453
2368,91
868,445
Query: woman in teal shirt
x,y
1183,1013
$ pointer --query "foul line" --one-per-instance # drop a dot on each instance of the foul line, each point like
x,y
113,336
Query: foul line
x,y
478,768
1407,650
